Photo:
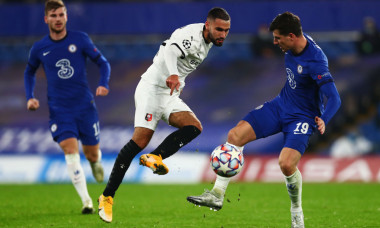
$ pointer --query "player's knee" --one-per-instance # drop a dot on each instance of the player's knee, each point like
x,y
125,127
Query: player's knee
x,y
287,167
198,125
233,137
70,150
141,142
92,157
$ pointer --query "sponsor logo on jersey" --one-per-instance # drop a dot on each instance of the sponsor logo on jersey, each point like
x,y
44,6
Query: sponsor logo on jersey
x,y
72,48
292,82
148,117
186,44
45,53
194,62
53,127
299,69
66,70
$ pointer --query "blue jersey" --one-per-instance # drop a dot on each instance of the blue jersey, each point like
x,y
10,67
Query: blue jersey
x,y
64,63
306,73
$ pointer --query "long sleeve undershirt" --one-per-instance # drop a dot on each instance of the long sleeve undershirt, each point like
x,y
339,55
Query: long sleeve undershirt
x,y
333,101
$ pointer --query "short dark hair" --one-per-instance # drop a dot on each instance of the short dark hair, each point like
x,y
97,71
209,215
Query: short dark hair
x,y
218,12
53,5
287,23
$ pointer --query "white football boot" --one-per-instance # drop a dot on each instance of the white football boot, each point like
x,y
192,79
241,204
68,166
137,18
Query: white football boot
x,y
207,199
297,220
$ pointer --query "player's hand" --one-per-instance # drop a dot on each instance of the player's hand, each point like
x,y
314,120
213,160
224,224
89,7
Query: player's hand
x,y
320,124
33,104
173,83
102,91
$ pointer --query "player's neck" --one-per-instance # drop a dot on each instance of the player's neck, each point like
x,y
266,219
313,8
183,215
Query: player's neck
x,y
300,45
59,35
205,34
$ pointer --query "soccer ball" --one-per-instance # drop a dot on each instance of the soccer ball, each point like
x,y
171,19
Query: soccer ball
x,y
226,160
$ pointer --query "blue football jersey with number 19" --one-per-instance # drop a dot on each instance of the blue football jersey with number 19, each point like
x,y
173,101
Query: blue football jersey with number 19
x,y
64,63
306,72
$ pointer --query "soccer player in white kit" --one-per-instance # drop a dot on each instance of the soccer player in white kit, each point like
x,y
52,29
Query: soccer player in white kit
x,y
157,97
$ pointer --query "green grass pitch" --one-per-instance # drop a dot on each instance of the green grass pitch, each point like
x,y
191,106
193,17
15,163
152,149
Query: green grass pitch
x,y
151,205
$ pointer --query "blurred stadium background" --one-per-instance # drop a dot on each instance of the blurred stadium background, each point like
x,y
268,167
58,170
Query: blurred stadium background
x,y
234,79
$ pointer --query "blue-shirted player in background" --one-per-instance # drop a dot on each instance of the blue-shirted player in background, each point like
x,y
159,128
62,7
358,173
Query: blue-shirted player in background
x,y
72,109
297,111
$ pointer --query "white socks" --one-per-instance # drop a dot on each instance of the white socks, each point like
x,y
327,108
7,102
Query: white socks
x,y
294,186
221,183
77,176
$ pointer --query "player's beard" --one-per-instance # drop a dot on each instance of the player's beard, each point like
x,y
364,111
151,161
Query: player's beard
x,y
214,41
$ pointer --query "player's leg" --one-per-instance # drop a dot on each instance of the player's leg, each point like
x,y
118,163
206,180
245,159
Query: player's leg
x,y
189,127
76,173
94,156
175,113
259,123
238,136
89,132
296,136
288,161
147,114
139,141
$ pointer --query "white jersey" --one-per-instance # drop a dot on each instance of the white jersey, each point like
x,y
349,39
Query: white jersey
x,y
190,41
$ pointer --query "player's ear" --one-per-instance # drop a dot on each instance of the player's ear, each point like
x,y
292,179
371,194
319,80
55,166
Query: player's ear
x,y
45,19
207,24
292,36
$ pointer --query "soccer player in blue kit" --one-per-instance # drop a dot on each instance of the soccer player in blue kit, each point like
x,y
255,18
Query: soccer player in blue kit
x,y
72,109
297,111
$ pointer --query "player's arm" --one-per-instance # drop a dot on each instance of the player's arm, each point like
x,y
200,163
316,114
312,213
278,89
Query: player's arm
x,y
171,55
104,66
30,81
333,103
105,73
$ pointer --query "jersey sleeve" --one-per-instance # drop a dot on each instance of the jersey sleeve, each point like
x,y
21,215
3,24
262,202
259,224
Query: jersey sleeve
x,y
171,54
320,73
182,38
94,54
30,73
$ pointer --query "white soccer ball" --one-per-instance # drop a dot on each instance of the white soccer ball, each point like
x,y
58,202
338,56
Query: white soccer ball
x,y
226,160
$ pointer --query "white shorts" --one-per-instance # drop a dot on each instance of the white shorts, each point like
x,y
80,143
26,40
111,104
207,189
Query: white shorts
x,y
154,103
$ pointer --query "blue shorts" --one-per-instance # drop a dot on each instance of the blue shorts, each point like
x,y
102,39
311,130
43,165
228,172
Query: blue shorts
x,y
269,119
82,125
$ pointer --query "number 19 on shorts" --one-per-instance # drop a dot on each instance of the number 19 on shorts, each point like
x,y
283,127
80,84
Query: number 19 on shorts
x,y
301,128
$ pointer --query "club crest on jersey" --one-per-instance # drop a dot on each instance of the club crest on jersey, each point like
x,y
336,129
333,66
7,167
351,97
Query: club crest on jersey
x,y
148,117
53,127
299,69
72,48
186,44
